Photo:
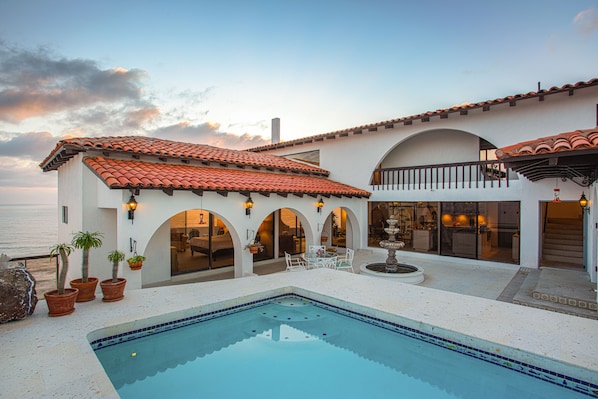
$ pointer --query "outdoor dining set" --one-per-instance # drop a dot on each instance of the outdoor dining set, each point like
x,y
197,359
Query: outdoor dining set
x,y
318,256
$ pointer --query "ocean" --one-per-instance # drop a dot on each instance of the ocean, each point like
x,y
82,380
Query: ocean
x,y
28,230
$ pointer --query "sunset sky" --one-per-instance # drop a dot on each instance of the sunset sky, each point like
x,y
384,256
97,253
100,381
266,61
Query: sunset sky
x,y
217,72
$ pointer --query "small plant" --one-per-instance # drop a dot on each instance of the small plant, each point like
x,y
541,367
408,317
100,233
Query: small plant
x,y
115,257
136,258
254,247
85,240
64,250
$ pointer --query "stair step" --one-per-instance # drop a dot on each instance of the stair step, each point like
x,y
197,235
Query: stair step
x,y
563,259
560,252
562,241
575,236
563,247
565,233
563,227
565,221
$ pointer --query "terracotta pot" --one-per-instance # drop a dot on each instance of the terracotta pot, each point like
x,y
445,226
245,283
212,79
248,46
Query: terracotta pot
x,y
61,304
87,291
113,291
135,265
254,250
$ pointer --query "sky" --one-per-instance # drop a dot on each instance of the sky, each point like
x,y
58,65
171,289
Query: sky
x,y
217,72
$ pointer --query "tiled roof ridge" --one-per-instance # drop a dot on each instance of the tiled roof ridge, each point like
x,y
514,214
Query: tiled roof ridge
x,y
568,141
143,145
137,174
426,115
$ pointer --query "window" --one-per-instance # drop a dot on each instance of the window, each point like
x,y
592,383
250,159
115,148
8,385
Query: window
x,y
475,230
65,214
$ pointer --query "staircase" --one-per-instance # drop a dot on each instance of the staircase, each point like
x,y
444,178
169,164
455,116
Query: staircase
x,y
563,242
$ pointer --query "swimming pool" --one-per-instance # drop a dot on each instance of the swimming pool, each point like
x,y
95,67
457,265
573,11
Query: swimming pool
x,y
298,347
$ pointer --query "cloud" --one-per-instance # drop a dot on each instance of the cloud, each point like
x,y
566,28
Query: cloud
x,y
52,97
109,120
19,172
207,133
38,83
586,21
32,146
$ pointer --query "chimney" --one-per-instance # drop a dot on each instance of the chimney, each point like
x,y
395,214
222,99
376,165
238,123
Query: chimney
x,y
275,131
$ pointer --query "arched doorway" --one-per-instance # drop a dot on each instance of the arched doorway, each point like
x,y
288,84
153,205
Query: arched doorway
x,y
199,240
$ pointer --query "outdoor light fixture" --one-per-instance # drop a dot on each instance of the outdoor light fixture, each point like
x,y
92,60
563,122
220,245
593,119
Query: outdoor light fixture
x,y
248,206
583,202
319,205
131,206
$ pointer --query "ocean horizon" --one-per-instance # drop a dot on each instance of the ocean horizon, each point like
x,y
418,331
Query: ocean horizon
x,y
28,230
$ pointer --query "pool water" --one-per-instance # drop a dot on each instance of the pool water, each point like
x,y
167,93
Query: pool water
x,y
292,347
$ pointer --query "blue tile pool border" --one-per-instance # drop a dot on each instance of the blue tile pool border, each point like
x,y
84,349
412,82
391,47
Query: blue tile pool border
x,y
584,387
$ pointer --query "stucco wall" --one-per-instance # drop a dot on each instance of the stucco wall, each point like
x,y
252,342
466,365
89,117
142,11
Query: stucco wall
x,y
501,125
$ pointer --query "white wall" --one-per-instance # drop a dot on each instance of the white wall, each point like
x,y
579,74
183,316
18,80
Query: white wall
x,y
352,159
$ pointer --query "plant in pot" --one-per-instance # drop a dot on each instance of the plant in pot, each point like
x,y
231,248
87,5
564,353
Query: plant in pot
x,y
254,247
86,285
136,262
114,288
61,301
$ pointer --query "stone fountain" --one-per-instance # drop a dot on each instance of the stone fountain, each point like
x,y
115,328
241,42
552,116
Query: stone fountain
x,y
392,268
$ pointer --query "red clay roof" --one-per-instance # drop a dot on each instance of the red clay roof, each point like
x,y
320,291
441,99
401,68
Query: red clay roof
x,y
442,113
570,141
126,174
140,145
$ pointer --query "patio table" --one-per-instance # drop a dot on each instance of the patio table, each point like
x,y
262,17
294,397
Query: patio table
x,y
320,259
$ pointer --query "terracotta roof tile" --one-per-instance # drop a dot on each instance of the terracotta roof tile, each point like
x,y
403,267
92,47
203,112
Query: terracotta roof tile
x,y
570,141
119,174
444,111
140,145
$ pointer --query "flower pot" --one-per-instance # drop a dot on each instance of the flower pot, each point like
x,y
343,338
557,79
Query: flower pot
x,y
254,250
113,291
87,291
61,304
135,265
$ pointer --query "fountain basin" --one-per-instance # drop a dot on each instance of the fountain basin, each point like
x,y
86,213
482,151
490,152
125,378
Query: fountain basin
x,y
408,274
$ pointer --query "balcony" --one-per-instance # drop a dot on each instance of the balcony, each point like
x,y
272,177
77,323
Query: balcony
x,y
463,175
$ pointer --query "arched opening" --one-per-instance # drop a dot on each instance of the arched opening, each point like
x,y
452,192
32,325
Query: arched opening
x,y
199,240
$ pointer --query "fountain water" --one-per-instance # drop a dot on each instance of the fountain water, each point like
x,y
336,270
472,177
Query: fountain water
x,y
392,268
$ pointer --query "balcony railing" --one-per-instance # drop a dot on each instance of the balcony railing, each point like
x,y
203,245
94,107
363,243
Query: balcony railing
x,y
478,174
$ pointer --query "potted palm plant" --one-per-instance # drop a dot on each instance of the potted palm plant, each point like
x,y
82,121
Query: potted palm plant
x,y
136,262
114,288
86,285
61,301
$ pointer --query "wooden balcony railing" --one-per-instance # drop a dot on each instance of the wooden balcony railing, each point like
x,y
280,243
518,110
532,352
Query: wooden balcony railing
x,y
479,174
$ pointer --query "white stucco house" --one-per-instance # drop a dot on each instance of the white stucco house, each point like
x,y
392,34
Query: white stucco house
x,y
498,182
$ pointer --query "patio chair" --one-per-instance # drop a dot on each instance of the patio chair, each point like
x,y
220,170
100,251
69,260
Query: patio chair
x,y
329,263
294,264
346,262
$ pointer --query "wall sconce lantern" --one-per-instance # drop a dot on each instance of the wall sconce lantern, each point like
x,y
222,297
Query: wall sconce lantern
x,y
319,205
583,202
131,206
248,206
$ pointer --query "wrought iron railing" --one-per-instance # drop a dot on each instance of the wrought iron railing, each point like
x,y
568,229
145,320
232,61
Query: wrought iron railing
x,y
478,174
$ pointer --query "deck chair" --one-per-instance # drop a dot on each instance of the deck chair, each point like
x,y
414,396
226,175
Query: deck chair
x,y
294,264
346,262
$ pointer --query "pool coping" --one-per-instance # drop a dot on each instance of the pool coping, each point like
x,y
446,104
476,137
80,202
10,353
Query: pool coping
x,y
52,357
